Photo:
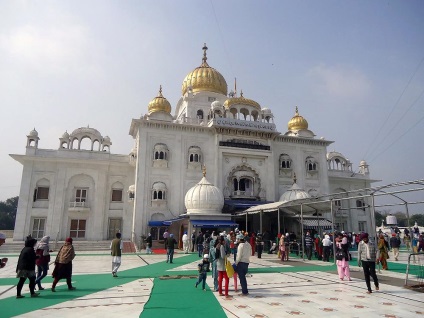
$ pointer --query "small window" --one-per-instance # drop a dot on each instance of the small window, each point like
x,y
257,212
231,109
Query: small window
x,y
362,226
338,203
116,195
77,229
211,99
41,193
38,226
360,204
81,195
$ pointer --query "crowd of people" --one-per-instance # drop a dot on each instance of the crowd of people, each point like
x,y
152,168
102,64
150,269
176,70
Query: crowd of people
x,y
225,255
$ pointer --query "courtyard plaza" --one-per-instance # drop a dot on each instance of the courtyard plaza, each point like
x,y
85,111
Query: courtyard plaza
x,y
147,286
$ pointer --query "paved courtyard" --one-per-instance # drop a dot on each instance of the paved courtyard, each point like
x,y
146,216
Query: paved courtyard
x,y
149,287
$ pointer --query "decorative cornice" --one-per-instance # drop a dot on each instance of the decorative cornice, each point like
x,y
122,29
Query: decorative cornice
x,y
304,141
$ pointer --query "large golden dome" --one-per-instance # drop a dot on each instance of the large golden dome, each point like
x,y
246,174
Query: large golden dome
x,y
241,101
159,104
205,78
297,122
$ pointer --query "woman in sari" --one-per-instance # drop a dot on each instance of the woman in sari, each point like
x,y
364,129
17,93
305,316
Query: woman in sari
x,y
63,265
383,250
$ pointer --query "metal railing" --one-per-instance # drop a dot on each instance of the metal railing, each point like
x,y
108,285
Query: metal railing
x,y
78,204
418,271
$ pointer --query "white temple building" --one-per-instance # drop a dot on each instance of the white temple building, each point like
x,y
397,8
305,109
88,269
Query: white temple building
x,y
84,191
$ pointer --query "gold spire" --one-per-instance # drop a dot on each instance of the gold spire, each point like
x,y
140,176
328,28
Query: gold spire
x,y
159,104
297,122
204,170
205,78
205,58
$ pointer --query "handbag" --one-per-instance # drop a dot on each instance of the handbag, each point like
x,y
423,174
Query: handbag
x,y
229,268
340,255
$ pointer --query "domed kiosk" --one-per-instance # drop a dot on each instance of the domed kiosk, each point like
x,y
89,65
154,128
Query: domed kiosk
x,y
204,203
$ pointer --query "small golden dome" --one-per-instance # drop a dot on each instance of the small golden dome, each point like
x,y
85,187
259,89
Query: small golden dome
x,y
297,122
241,101
205,78
159,104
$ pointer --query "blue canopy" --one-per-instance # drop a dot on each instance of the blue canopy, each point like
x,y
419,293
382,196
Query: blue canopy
x,y
213,223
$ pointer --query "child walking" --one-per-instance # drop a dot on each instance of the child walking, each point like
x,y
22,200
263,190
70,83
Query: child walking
x,y
203,268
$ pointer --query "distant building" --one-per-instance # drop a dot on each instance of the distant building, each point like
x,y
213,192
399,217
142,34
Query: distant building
x,y
84,191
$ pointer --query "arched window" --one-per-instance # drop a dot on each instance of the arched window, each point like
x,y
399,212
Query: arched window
x,y
311,164
199,114
285,161
41,191
159,191
195,156
160,156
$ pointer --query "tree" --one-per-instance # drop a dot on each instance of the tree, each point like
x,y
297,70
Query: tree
x,y
378,218
8,210
419,218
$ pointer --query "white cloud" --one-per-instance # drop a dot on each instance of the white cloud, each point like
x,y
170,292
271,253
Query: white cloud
x,y
339,81
57,49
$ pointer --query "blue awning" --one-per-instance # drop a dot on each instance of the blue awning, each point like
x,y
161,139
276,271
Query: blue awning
x,y
244,204
157,223
213,223
166,222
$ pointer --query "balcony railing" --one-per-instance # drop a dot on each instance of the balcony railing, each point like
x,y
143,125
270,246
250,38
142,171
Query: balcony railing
x,y
80,205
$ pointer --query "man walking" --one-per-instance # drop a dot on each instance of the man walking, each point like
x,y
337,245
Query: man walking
x,y
193,240
116,247
394,245
326,245
308,245
185,243
170,245
244,251
367,258
199,242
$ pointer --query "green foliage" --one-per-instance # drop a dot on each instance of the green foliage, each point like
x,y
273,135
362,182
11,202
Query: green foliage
x,y
378,218
8,210
419,218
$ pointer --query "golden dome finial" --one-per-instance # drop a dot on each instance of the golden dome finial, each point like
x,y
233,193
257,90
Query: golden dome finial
x,y
159,103
204,78
297,122
204,59
204,170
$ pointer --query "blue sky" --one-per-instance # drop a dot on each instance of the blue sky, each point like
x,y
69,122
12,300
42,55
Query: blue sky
x,y
354,68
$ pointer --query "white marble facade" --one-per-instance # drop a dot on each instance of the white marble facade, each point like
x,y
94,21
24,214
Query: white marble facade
x,y
85,191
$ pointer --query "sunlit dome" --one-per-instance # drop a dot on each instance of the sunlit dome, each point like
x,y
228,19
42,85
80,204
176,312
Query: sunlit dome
x,y
294,193
204,198
241,101
159,104
205,78
297,122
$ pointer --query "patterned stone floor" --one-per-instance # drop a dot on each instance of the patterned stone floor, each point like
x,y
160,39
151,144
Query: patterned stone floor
x,y
315,293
